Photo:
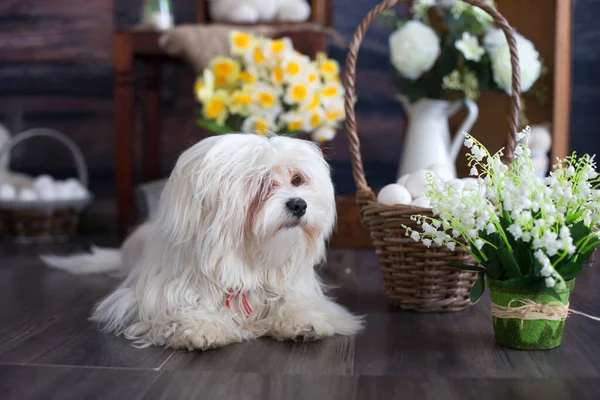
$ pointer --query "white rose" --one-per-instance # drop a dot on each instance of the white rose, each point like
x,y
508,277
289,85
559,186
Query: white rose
x,y
414,47
529,60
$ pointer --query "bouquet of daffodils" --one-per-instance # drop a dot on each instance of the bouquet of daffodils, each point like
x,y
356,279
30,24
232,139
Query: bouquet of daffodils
x,y
270,87
451,47
523,230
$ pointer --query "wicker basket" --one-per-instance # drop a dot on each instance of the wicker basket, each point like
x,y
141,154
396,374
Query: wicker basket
x,y
416,277
43,221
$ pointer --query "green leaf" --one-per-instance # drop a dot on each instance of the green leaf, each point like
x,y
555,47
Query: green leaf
x,y
509,262
213,126
579,231
529,282
570,270
478,287
466,267
494,266
524,257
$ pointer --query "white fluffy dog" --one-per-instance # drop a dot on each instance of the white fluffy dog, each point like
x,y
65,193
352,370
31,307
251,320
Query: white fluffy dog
x,y
242,223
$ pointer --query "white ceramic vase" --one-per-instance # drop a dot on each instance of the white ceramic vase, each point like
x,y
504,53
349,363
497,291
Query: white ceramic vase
x,y
427,140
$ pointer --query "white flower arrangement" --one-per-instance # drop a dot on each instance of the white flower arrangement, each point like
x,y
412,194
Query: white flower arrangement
x,y
269,87
522,230
466,55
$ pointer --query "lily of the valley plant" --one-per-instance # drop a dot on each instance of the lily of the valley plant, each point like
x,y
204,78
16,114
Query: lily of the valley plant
x,y
527,232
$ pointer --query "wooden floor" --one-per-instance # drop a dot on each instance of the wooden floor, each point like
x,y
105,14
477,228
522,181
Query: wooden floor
x,y
48,349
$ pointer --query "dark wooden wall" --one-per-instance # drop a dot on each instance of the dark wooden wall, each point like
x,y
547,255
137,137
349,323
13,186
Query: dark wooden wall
x,y
56,71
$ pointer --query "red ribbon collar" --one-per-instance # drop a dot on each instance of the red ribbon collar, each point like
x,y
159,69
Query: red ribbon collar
x,y
243,304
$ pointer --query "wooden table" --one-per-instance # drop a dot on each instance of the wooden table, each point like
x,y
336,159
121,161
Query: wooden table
x,y
136,49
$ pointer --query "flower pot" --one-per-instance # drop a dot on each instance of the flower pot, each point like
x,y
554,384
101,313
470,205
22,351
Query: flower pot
x,y
537,328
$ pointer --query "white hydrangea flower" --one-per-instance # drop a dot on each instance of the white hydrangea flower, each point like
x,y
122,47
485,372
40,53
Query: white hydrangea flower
x,y
530,64
469,46
550,282
414,49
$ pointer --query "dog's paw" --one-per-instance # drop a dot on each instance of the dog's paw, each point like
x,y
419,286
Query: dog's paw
x,y
200,336
313,321
299,331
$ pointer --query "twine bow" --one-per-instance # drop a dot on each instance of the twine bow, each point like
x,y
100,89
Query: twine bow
x,y
529,310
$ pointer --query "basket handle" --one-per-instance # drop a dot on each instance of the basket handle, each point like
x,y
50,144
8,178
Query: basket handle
x,y
82,170
364,192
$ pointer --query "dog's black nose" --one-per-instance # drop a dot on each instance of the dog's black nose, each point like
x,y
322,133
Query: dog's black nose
x,y
297,206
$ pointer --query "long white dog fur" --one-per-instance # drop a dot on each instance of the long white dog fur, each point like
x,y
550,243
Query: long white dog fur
x,y
230,257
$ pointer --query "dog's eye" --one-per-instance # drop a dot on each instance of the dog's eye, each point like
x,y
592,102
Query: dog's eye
x,y
297,180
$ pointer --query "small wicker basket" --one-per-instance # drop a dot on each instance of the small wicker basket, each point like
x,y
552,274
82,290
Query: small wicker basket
x,y
43,221
416,277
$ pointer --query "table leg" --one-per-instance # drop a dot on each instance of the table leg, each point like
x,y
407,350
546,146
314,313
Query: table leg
x,y
151,120
124,97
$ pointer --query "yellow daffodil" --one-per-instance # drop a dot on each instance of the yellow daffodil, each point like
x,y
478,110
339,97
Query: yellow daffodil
x,y
335,112
331,92
226,71
312,76
266,99
241,101
241,42
248,76
295,67
313,103
258,124
328,68
316,118
277,76
272,87
204,87
278,48
215,108
298,93
323,134
293,121
256,57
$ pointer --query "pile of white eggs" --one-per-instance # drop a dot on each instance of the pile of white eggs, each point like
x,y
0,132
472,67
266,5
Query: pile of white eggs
x,y
410,189
44,188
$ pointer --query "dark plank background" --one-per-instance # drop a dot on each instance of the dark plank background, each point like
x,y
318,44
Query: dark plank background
x,y
56,71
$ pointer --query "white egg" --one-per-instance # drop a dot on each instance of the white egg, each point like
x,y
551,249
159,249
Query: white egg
x,y
64,191
79,193
27,194
47,193
443,171
42,181
8,192
417,183
393,194
540,138
421,202
72,182
402,180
